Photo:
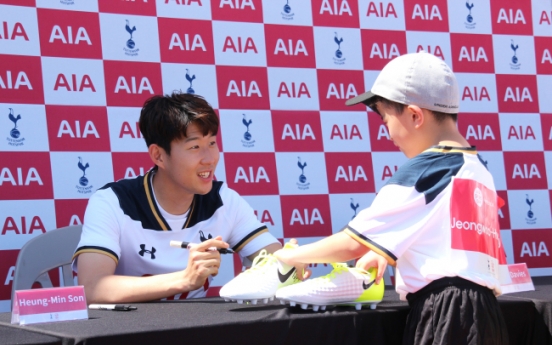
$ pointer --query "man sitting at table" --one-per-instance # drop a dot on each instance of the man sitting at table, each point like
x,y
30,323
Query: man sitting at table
x,y
124,253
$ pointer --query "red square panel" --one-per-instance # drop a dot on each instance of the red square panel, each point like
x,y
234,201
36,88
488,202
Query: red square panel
x,y
306,215
426,15
511,17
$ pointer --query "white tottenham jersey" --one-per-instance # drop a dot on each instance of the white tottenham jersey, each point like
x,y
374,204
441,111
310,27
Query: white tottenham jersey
x,y
436,217
123,221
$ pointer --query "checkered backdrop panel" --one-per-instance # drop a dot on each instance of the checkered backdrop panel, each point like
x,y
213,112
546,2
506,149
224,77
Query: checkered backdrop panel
x,y
73,75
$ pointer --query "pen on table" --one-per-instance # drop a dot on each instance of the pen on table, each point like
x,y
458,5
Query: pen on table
x,y
115,307
188,245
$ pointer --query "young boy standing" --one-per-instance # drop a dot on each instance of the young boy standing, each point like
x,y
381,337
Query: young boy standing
x,y
435,219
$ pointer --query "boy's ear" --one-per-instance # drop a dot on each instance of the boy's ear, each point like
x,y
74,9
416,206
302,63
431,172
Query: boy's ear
x,y
156,154
416,115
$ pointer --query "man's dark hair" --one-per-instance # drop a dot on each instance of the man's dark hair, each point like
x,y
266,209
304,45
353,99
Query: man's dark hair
x,y
399,108
166,118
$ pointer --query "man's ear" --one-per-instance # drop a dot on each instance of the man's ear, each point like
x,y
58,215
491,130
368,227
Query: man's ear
x,y
417,115
157,154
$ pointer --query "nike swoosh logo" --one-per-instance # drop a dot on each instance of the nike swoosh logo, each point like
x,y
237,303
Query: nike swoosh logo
x,y
284,277
367,286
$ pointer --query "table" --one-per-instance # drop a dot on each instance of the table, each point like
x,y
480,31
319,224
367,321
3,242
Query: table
x,y
213,321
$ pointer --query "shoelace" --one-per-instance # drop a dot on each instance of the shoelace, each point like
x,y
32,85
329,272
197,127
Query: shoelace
x,y
260,261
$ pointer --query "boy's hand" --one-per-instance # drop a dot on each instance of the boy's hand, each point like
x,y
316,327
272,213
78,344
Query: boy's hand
x,y
372,259
286,257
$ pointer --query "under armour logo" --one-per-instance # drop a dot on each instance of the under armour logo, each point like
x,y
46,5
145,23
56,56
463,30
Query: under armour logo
x,y
144,250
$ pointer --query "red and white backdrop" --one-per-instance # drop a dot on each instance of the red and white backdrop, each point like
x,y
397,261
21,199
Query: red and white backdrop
x,y
73,75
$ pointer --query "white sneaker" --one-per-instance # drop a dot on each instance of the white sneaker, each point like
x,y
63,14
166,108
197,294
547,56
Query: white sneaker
x,y
261,281
342,286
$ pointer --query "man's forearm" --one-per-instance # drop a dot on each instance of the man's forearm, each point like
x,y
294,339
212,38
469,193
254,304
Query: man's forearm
x,y
126,289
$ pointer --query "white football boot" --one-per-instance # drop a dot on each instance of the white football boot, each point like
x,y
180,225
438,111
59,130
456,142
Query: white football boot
x,y
343,286
261,281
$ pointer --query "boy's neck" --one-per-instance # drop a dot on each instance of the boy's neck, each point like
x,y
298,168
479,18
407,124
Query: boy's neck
x,y
446,134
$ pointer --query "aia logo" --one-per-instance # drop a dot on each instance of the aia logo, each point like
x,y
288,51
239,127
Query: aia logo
x,y
481,130
438,50
252,173
521,133
532,247
546,125
184,40
543,53
293,89
335,87
25,175
335,13
15,138
242,87
349,172
517,93
297,131
72,128
380,10
472,53
511,17
525,170
13,31
21,80
23,226
131,83
504,211
426,15
380,47
264,217
239,44
306,215
70,211
289,48
380,139
128,165
77,35
545,17
238,10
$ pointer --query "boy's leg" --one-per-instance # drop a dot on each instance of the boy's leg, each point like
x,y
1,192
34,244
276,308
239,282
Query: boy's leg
x,y
459,313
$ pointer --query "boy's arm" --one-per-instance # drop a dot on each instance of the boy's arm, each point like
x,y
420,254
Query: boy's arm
x,y
339,247
97,274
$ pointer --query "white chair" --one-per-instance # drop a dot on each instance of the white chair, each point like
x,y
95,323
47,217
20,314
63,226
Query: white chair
x,y
50,250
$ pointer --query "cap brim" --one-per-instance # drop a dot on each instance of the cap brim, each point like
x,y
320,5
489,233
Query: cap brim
x,y
362,98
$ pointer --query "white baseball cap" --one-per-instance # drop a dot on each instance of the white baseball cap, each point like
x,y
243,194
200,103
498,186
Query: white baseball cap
x,y
420,79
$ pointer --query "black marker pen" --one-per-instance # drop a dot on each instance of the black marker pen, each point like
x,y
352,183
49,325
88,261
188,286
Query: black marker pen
x,y
188,245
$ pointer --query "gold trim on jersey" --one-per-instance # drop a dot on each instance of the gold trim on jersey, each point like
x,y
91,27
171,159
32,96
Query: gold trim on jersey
x,y
252,235
151,203
363,240
97,251
451,149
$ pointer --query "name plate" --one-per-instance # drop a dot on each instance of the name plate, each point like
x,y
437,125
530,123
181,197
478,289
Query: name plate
x,y
515,278
49,305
